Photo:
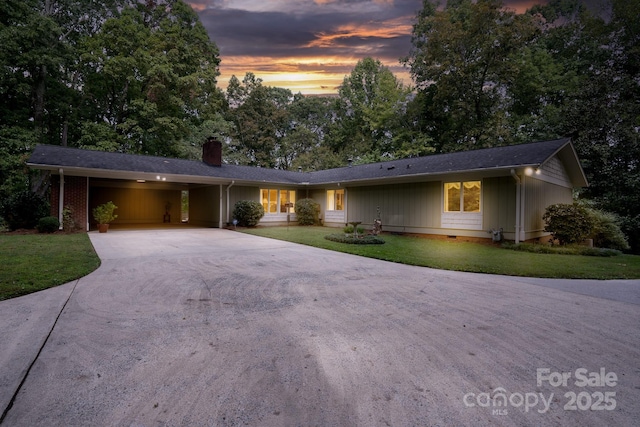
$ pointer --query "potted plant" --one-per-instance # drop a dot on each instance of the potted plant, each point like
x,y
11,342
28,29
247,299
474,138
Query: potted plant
x,y
103,214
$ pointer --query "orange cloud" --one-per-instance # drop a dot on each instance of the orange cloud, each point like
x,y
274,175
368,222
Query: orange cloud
x,y
388,29
521,6
198,7
389,2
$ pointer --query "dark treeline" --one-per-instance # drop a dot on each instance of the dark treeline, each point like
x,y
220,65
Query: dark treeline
x,y
121,75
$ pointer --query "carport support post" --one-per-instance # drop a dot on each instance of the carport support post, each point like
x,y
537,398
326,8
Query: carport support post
x,y
220,205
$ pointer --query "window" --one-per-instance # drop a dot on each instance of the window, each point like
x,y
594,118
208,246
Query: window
x,y
335,200
275,201
462,196
287,196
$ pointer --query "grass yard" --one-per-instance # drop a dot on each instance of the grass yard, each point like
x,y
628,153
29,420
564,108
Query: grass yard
x,y
33,262
463,256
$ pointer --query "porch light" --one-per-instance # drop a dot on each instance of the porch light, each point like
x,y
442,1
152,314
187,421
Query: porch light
x,y
141,180
528,171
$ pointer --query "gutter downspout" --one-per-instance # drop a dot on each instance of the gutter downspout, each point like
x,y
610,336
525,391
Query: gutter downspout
x,y
517,178
220,206
228,188
61,198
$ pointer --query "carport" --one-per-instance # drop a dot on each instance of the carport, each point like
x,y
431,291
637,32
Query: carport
x,y
157,203
149,191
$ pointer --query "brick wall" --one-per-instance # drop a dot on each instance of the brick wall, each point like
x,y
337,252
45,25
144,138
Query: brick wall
x,y
75,196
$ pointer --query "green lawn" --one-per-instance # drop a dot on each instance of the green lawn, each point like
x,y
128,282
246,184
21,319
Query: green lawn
x,y
34,262
462,256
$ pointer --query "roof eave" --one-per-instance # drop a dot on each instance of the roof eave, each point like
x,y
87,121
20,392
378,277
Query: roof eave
x,y
482,172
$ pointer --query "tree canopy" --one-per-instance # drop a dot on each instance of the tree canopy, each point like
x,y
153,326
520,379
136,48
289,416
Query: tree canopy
x,y
141,77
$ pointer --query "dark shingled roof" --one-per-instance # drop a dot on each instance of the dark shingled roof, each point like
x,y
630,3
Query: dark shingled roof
x,y
514,156
64,157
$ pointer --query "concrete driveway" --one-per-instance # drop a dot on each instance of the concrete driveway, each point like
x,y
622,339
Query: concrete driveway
x,y
217,328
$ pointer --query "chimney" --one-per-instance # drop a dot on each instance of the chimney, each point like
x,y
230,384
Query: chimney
x,y
212,152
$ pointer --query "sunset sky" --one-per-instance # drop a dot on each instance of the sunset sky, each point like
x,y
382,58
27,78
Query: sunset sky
x,y
309,46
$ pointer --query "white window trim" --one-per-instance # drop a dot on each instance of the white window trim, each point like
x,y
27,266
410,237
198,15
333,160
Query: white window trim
x,y
278,191
444,211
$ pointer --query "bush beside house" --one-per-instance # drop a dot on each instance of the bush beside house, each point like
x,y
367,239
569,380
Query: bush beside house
x,y
307,212
573,223
248,213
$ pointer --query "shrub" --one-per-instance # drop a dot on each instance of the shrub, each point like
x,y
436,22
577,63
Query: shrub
x,y
248,213
360,240
606,232
348,229
307,211
567,223
23,210
68,223
103,214
48,224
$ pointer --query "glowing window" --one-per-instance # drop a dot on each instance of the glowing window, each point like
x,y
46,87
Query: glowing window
x,y
275,201
287,197
462,196
335,200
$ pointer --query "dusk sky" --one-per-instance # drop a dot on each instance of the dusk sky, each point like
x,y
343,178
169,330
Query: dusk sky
x,y
309,46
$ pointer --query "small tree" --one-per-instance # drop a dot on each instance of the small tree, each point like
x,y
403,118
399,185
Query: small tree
x,y
103,214
248,213
307,211
568,223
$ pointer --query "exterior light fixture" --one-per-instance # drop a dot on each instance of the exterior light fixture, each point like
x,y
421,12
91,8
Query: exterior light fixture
x,y
528,171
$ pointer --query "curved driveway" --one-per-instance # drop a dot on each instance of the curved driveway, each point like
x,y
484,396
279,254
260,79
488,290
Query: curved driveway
x,y
216,328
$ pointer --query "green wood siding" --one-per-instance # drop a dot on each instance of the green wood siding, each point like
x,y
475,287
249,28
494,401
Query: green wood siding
x,y
415,205
538,195
499,203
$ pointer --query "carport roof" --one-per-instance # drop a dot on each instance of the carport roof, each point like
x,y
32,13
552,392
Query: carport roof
x,y
90,163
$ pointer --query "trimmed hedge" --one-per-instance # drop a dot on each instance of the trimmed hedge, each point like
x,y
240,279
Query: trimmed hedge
x,y
48,224
360,240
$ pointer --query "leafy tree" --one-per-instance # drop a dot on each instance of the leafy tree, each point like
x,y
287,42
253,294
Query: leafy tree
x,y
372,103
601,113
23,209
149,74
259,114
461,61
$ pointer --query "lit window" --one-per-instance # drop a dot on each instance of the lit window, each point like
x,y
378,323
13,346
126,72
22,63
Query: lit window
x,y
335,200
462,196
287,197
275,201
